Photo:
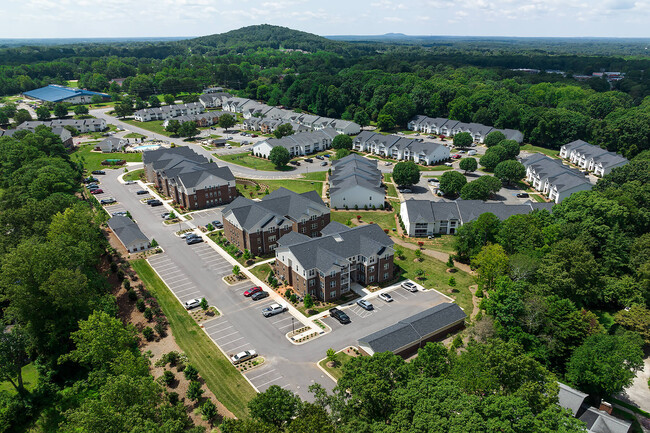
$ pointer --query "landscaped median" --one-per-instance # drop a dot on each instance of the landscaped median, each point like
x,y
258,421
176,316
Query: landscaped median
x,y
228,385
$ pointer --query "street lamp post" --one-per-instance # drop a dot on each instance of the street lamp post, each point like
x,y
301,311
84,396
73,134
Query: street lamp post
x,y
292,328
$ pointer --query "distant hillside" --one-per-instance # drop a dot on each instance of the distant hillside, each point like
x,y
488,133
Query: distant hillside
x,y
265,36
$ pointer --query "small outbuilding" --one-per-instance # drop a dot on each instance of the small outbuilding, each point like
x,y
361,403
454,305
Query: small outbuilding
x,y
408,335
128,232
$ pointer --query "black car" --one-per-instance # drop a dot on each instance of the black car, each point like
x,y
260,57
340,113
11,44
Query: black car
x,y
319,157
93,187
142,191
91,179
523,195
193,240
309,160
155,203
151,200
340,316
259,295
98,172
217,224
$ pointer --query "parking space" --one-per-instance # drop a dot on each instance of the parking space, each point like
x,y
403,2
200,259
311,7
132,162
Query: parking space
x,y
381,311
226,335
211,260
204,217
266,376
181,285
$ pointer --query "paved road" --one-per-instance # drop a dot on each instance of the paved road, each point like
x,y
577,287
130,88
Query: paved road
x,y
194,271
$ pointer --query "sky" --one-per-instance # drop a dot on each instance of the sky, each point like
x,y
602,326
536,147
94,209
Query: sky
x,y
157,18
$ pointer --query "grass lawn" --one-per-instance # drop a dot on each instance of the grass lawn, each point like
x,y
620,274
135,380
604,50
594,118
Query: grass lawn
x,y
336,372
549,152
386,220
316,175
153,126
30,380
391,191
420,167
444,243
261,271
92,160
437,277
228,385
134,135
295,185
135,175
246,160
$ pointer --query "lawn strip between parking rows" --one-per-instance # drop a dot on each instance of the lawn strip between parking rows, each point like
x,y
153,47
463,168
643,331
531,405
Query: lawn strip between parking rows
x,y
228,385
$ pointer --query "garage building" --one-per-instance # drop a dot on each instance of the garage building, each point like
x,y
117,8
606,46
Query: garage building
x,y
408,335
128,232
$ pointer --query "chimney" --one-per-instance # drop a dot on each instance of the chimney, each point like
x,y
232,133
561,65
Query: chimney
x,y
607,407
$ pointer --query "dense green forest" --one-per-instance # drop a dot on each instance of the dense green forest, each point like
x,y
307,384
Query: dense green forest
x,y
363,81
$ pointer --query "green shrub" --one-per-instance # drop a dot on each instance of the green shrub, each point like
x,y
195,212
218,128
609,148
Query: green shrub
x,y
452,281
148,333
168,378
191,373
148,314
140,305
133,295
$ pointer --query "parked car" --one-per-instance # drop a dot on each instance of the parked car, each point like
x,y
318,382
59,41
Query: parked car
x,y
407,190
471,153
323,164
252,291
388,163
455,156
386,297
229,147
193,240
154,203
449,164
433,180
98,172
319,157
365,304
293,162
411,287
188,235
309,160
164,215
340,316
91,179
192,303
327,155
108,200
273,309
259,295
120,213
217,224
243,356
142,191
461,151
97,191
254,135
523,195
129,182
92,187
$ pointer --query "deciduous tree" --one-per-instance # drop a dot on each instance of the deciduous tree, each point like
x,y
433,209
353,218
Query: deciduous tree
x,y
451,183
406,173
279,156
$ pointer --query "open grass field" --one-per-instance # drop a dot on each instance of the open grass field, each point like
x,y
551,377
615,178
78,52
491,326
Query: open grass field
x,y
386,220
437,277
228,385
336,372
295,185
246,160
261,271
153,126
135,175
134,135
316,175
444,243
92,160
549,152
420,167
30,380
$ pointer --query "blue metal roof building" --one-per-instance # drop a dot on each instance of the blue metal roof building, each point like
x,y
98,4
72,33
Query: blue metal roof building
x,y
57,93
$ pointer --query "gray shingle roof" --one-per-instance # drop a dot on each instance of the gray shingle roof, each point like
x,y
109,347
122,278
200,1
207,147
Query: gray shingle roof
x,y
414,329
275,208
355,170
335,248
127,230
563,176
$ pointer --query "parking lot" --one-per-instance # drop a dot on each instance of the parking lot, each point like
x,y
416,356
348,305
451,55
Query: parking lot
x,y
204,217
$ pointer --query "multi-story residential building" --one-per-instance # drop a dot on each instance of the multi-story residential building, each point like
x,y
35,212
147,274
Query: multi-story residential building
x,y
401,148
64,134
426,218
552,178
213,99
81,125
189,178
593,158
326,267
168,112
448,127
302,143
258,225
202,119
356,183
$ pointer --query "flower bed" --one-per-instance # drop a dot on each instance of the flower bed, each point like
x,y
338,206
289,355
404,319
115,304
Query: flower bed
x,y
199,315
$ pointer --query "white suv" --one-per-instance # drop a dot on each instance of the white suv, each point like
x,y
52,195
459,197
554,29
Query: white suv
x,y
411,287
273,310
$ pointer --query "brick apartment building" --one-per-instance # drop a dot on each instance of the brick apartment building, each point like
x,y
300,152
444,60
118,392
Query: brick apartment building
x,y
189,178
258,225
326,267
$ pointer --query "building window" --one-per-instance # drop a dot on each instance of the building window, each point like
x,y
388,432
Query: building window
x,y
312,283
332,284
333,294
385,275
371,278
386,265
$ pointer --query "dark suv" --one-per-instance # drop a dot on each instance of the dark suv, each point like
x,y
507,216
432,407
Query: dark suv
x,y
340,316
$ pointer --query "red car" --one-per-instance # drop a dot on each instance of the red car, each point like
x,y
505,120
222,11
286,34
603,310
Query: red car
x,y
97,191
252,290
455,156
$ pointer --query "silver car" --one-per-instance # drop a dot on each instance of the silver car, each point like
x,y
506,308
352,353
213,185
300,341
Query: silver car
x,y
243,356
192,303
411,287
365,304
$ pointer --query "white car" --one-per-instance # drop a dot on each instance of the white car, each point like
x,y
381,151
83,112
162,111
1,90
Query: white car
x,y
449,164
129,182
386,297
410,286
273,310
192,303
243,356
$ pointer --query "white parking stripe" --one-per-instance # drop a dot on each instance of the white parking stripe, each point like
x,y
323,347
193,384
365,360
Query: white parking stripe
x,y
281,320
184,284
185,289
231,341
190,295
260,375
167,273
220,330
270,381
285,326
177,279
233,349
227,335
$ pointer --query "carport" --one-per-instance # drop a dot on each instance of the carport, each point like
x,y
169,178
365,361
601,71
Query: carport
x,y
408,335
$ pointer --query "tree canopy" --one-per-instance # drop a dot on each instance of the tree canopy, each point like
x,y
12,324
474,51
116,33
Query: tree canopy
x,y
406,173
